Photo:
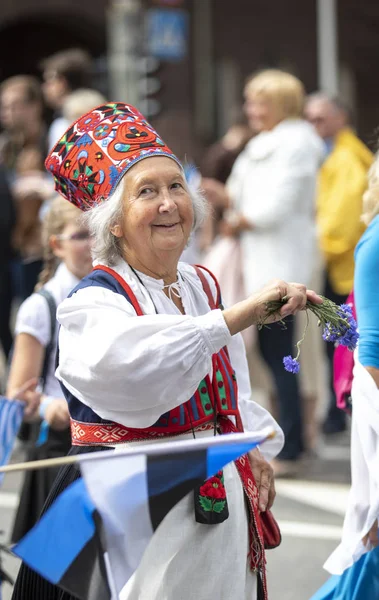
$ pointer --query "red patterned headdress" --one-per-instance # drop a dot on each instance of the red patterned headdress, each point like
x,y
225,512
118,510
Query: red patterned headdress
x,y
93,155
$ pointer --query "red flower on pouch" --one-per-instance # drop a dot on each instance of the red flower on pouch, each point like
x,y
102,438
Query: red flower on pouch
x,y
213,488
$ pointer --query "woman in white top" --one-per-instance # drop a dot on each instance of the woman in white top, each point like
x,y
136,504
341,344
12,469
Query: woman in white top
x,y
272,195
142,356
67,260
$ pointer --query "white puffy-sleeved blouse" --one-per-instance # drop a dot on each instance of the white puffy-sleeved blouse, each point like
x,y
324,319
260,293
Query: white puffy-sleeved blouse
x,y
131,369
33,318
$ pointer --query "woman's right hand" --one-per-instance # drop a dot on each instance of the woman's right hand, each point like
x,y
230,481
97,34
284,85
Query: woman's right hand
x,y
296,294
57,415
253,310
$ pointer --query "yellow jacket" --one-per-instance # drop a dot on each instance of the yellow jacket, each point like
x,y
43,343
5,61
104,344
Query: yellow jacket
x,y
342,182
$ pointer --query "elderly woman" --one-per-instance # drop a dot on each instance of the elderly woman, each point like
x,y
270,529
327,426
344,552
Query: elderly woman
x,y
272,195
143,356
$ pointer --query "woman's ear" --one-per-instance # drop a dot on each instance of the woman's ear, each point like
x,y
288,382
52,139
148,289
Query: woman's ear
x,y
55,245
116,230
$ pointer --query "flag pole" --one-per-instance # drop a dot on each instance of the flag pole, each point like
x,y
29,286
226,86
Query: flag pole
x,y
258,437
41,464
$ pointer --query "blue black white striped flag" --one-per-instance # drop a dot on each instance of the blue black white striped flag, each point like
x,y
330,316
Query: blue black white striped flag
x,y
102,524
11,415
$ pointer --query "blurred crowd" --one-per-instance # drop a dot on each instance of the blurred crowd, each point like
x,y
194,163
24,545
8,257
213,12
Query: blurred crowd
x,y
33,116
285,184
287,188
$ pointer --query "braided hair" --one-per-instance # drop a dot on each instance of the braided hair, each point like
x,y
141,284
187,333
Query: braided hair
x,y
60,213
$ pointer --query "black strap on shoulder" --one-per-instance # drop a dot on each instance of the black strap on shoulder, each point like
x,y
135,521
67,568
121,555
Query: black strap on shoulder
x,y
50,348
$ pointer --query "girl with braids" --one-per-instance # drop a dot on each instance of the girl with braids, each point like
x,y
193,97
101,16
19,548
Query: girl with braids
x,y
67,258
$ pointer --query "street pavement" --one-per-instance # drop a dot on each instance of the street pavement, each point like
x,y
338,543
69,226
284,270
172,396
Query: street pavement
x,y
309,509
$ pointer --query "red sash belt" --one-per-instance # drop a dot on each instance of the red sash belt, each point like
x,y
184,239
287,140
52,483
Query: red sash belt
x,y
98,434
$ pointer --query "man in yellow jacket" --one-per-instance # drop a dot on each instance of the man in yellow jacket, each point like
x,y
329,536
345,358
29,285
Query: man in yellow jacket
x,y
342,182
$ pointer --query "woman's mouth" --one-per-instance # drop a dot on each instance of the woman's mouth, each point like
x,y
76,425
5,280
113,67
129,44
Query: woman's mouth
x,y
166,225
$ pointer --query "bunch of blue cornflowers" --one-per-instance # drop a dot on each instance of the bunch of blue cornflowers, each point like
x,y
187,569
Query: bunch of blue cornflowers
x,y
337,322
345,332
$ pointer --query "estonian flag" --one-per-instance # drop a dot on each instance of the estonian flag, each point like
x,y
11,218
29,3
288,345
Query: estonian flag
x,y
359,582
11,415
92,538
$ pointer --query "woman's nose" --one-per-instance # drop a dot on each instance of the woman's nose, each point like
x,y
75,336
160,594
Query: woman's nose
x,y
167,203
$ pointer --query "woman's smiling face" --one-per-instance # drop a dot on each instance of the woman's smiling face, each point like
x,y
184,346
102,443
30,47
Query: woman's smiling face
x,y
157,211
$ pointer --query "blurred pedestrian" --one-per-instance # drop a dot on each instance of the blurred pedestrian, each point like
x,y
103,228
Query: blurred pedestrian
x,y
21,117
215,169
22,148
7,222
272,190
30,190
359,573
63,73
67,259
222,255
342,182
219,159
80,102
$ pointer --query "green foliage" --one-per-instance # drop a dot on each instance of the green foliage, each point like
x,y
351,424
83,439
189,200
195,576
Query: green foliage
x,y
206,503
219,506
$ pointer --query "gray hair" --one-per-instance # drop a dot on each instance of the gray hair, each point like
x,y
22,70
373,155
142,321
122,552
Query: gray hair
x,y
102,218
337,103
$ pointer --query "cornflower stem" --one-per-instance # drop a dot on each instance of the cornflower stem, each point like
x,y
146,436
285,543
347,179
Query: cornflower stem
x,y
325,312
303,338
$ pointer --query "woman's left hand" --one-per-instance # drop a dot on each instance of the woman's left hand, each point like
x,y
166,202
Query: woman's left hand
x,y
264,478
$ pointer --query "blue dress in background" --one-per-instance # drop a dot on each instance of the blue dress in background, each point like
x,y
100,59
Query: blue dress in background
x,y
360,582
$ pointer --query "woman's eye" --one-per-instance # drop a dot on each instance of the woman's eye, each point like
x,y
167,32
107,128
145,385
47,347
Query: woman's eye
x,y
146,191
176,186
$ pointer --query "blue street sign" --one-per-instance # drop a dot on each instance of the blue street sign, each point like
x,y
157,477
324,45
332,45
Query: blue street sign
x,y
167,34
